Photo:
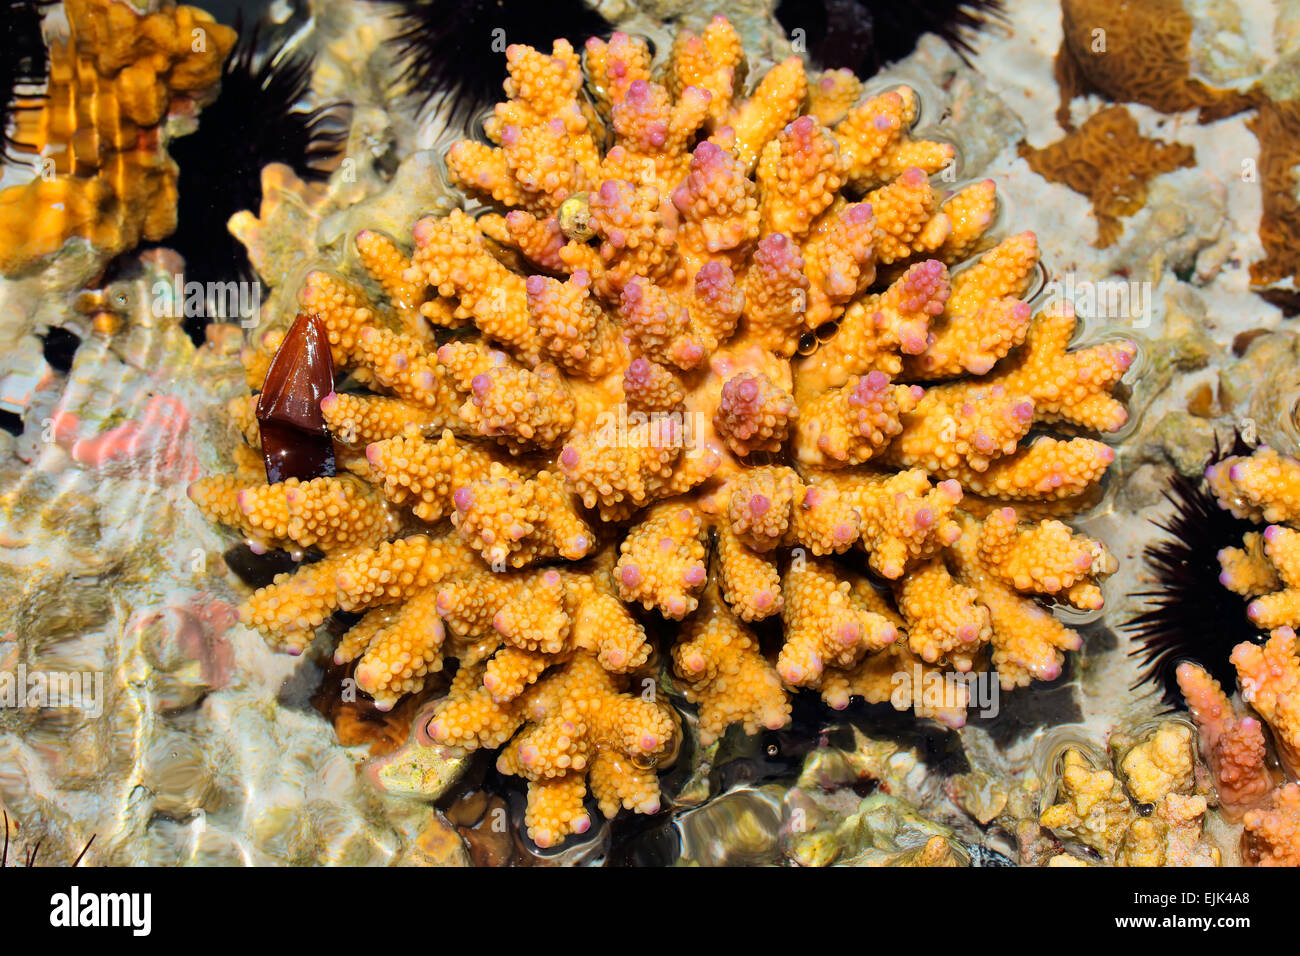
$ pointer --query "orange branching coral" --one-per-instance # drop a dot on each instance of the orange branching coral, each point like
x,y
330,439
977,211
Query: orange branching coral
x,y
621,418
1262,487
1272,832
1135,53
104,175
1269,677
1232,744
1108,160
725,673
579,729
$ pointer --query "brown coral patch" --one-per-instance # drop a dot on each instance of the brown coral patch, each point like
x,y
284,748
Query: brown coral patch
x,y
1135,52
1108,160
1277,127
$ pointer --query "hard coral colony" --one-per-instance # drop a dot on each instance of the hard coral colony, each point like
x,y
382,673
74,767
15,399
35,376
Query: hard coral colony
x,y
606,392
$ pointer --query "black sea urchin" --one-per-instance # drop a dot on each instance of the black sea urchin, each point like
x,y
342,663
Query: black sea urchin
x,y
24,62
257,119
864,35
1190,615
450,50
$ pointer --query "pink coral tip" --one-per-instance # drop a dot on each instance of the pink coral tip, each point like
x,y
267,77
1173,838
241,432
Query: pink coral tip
x,y
690,354
858,214
423,230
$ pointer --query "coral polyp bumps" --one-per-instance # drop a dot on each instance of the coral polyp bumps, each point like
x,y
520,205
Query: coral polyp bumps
x,y
594,400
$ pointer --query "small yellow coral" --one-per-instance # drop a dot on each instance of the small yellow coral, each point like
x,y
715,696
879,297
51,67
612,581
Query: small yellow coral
x,y
1093,810
1161,764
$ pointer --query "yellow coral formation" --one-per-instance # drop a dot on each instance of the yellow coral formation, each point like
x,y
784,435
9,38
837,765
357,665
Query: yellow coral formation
x,y
639,408
1160,764
1158,822
579,730
726,674
1093,808
103,175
